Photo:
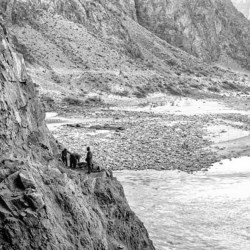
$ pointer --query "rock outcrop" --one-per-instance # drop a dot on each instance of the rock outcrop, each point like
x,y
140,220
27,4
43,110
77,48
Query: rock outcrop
x,y
209,29
42,204
22,127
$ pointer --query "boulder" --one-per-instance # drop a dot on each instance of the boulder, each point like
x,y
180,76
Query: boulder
x,y
27,180
35,200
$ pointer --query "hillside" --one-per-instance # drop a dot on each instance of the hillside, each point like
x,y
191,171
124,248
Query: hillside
x,y
211,30
42,204
81,47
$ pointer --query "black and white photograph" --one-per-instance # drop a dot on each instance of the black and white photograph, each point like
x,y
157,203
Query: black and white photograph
x,y
124,124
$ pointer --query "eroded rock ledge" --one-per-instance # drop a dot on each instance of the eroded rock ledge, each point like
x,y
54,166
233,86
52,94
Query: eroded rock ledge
x,y
42,204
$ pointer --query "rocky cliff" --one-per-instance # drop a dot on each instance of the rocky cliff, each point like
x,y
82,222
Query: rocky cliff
x,y
208,29
42,204
22,123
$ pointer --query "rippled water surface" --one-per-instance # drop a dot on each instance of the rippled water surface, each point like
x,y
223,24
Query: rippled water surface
x,y
208,210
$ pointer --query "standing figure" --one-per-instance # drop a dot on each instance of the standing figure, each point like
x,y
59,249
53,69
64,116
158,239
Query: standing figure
x,y
64,157
89,160
74,160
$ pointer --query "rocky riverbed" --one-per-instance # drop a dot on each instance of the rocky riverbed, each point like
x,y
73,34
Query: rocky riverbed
x,y
132,138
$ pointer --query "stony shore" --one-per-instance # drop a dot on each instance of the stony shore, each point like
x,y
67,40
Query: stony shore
x,y
127,139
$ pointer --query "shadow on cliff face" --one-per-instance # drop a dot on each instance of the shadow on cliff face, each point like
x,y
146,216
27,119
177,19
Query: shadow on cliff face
x,y
22,49
43,205
207,29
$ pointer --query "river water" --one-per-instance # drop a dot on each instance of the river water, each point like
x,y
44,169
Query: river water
x,y
206,210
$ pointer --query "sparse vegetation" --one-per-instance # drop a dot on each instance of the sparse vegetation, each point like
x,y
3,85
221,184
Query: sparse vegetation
x,y
172,62
73,101
55,77
142,91
196,85
140,94
150,64
173,90
122,93
83,93
214,89
229,85
94,100
47,100
161,86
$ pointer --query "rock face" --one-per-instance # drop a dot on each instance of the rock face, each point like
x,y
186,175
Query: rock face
x,y
98,17
243,6
43,205
22,126
208,29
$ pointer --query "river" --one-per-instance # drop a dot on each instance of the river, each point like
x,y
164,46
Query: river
x,y
205,210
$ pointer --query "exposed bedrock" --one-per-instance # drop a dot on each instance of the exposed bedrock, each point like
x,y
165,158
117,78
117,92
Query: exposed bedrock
x,y
42,204
209,29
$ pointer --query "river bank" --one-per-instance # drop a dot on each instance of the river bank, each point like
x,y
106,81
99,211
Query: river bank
x,y
204,210
158,133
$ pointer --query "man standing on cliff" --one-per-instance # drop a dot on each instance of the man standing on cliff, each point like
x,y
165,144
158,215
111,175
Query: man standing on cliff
x,y
89,160
64,157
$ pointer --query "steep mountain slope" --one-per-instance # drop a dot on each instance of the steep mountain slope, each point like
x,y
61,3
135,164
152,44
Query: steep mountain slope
x,y
243,6
77,47
21,111
42,204
207,29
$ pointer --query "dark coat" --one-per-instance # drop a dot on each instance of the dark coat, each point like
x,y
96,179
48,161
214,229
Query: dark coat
x,y
64,153
89,157
75,157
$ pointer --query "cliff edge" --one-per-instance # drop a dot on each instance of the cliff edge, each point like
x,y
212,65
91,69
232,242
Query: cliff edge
x,y
42,204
